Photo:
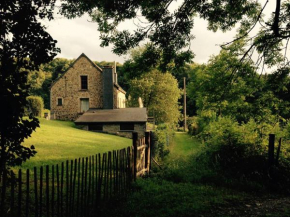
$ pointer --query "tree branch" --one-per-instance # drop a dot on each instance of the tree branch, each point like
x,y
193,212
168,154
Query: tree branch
x,y
275,25
247,33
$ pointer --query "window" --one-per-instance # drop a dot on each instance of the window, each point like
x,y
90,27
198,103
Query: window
x,y
85,104
127,126
84,82
96,127
59,101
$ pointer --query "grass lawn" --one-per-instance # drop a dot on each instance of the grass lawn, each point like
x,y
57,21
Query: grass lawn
x,y
168,193
183,188
183,146
57,141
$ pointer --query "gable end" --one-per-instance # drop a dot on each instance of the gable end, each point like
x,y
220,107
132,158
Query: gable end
x,y
72,65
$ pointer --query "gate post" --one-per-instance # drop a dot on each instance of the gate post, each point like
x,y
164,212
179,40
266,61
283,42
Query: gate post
x,y
271,149
135,138
147,153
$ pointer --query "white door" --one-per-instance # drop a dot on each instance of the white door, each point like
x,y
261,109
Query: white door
x,y
85,105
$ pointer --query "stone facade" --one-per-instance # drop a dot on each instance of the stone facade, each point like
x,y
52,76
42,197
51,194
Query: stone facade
x,y
114,129
140,128
68,90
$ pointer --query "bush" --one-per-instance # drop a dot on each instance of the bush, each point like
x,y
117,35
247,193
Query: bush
x,y
197,124
163,136
35,106
192,125
240,151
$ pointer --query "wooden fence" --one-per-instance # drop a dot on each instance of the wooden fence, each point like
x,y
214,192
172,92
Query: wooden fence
x,y
74,188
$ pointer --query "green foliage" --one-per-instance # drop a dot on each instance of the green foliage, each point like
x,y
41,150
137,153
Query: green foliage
x,y
35,79
163,136
35,106
57,67
192,125
240,151
170,30
22,35
225,86
160,94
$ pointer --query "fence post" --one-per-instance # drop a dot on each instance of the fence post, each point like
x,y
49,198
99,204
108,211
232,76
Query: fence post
x,y
271,149
135,138
151,148
3,193
147,153
278,151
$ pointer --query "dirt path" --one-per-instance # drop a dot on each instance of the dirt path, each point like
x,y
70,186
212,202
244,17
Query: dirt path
x,y
256,206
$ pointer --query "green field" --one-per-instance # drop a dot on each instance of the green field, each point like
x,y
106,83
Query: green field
x,y
57,141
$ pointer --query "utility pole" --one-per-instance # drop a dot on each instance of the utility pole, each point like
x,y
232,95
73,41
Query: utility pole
x,y
184,104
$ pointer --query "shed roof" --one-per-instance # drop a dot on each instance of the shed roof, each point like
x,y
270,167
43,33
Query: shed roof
x,y
113,115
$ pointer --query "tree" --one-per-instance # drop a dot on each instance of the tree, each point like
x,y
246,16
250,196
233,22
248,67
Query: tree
x,y
35,79
228,87
24,46
57,67
160,94
170,30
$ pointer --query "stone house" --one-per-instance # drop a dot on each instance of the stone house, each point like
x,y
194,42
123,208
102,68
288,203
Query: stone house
x,y
91,96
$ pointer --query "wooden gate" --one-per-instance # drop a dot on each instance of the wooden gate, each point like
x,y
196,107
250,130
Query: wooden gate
x,y
141,149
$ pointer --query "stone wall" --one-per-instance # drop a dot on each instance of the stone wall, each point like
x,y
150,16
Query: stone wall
x,y
68,87
114,129
64,116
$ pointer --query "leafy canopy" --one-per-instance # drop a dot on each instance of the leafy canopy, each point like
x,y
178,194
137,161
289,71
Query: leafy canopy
x,y
160,94
168,25
24,46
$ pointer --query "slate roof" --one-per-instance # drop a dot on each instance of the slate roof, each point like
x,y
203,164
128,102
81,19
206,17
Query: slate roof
x,y
113,115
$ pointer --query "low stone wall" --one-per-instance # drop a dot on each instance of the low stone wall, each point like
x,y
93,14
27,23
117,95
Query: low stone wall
x,y
64,116
114,129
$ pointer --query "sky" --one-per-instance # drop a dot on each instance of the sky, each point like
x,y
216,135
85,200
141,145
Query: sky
x,y
80,35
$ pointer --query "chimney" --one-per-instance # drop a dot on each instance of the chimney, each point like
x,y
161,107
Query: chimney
x,y
115,74
108,94
140,102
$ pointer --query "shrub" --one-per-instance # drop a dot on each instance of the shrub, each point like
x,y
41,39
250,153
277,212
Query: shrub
x,y
35,106
240,151
192,125
163,136
197,124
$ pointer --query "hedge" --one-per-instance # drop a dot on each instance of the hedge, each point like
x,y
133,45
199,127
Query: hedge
x,y
35,105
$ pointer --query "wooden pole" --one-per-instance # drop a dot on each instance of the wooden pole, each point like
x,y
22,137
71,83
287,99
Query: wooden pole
x,y
47,189
184,104
271,149
278,151
27,193
135,137
35,192
19,192
12,194
147,150
40,191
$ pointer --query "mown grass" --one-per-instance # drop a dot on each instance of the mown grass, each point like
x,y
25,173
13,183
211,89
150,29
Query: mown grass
x,y
57,141
183,146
